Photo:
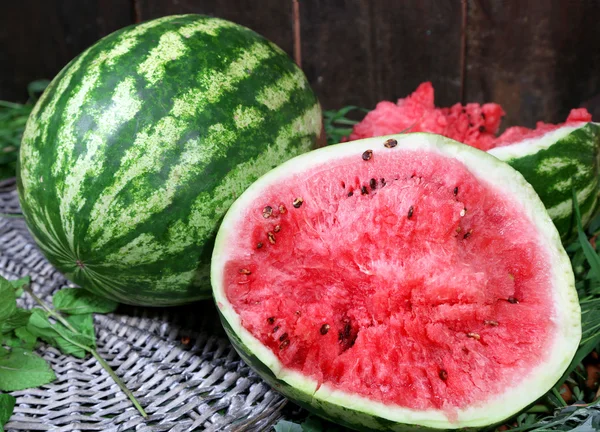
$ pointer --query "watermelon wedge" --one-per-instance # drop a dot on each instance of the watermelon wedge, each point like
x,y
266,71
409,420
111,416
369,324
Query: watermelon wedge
x,y
401,282
555,159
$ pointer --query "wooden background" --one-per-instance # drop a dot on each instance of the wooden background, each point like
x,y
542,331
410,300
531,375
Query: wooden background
x,y
538,58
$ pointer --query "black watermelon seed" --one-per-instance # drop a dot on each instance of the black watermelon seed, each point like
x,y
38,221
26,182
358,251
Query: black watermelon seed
x,y
367,155
297,202
391,143
267,212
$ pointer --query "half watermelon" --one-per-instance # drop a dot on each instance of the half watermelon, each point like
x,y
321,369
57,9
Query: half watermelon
x,y
555,159
398,282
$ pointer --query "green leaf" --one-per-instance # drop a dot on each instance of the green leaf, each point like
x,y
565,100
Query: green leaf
x,y
28,340
84,324
287,426
8,301
316,424
7,405
74,301
590,254
37,87
58,335
10,340
18,319
18,284
22,369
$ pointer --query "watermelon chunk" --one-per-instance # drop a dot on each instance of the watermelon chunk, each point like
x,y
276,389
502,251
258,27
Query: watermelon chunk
x,y
473,124
404,280
555,159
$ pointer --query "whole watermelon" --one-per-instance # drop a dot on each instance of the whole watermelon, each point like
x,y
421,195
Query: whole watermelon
x,y
139,146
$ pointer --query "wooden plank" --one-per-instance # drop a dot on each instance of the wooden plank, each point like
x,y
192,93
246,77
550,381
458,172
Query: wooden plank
x,y
37,39
534,58
362,51
270,18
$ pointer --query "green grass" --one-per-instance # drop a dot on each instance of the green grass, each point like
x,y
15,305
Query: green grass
x,y
13,117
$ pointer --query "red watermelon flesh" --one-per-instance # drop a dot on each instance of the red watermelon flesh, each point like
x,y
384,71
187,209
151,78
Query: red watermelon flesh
x,y
403,279
473,124
516,134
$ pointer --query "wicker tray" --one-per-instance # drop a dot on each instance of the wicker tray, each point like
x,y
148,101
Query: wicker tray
x,y
177,361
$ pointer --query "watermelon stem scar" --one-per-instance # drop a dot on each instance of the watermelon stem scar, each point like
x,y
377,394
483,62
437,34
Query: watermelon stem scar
x,y
398,306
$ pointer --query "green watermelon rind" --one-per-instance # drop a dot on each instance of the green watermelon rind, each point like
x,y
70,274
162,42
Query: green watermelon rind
x,y
356,411
557,163
135,151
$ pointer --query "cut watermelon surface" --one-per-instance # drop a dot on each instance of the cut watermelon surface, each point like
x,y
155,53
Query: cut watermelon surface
x,y
556,159
404,279
472,124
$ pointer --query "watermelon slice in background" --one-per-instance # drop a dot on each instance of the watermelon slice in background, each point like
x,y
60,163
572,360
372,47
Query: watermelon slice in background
x,y
555,159
399,282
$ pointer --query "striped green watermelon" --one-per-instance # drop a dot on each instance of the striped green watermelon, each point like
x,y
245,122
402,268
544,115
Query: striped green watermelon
x,y
402,283
555,159
139,146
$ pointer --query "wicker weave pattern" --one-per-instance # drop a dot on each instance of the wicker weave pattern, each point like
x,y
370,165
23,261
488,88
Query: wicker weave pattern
x,y
198,385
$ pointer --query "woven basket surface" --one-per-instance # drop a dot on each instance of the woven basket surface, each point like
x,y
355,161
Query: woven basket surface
x,y
177,361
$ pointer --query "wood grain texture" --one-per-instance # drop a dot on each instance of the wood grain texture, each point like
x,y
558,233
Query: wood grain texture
x,y
37,39
270,18
537,59
362,51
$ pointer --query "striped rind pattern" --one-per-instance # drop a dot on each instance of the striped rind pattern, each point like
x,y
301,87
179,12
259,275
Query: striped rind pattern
x,y
136,150
561,166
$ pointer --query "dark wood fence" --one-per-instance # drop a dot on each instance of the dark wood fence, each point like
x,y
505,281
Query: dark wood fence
x,y
538,58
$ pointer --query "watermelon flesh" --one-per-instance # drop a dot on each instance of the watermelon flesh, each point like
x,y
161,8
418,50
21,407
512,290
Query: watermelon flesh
x,y
472,124
404,279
